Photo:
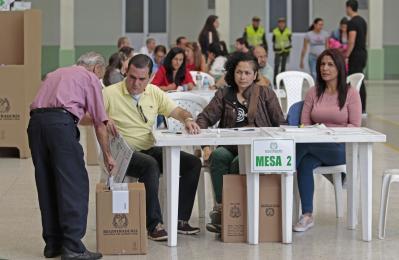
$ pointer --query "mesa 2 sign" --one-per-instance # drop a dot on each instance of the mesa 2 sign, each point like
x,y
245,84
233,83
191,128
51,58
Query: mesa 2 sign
x,y
272,155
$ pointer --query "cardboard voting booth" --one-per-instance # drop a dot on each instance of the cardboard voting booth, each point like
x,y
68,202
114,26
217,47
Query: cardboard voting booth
x,y
20,70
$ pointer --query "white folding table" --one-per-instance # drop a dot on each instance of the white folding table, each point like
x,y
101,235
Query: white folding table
x,y
359,151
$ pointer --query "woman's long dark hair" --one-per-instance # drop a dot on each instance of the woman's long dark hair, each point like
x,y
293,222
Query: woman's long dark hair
x,y
115,62
232,62
315,21
342,86
209,27
181,72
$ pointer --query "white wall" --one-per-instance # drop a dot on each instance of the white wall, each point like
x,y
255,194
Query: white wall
x,y
98,22
241,13
331,12
187,17
50,20
391,22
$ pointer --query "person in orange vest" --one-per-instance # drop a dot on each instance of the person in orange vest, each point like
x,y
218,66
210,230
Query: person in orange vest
x,y
255,33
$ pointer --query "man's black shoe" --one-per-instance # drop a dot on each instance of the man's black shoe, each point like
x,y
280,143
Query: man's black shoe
x,y
51,252
86,255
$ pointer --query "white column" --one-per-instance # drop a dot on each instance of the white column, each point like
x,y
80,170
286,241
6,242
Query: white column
x,y
67,40
222,10
376,24
375,47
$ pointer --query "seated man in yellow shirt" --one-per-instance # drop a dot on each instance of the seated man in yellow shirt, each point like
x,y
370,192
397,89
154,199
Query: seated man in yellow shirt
x,y
132,106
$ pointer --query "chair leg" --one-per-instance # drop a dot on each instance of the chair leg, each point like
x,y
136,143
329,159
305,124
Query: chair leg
x,y
296,209
339,207
386,181
201,195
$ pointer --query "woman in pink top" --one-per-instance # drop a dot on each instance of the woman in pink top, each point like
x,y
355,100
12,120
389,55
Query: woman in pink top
x,y
335,104
173,72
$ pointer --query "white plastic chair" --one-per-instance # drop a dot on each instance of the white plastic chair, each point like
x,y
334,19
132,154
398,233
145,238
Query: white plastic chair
x,y
355,80
194,104
389,177
293,83
188,101
211,80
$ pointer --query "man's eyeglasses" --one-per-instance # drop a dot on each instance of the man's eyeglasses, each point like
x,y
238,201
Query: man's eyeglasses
x,y
140,109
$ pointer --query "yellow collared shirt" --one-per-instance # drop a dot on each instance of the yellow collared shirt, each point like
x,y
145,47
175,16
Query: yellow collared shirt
x,y
124,111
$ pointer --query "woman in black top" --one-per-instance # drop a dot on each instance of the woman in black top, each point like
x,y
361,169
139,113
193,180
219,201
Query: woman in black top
x,y
209,33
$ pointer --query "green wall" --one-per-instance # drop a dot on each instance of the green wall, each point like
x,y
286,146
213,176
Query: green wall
x,y
50,59
51,55
391,61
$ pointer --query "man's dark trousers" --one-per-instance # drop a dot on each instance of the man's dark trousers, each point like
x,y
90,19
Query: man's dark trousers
x,y
61,179
147,166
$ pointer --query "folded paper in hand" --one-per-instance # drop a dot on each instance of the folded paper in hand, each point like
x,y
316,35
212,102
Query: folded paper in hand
x,y
122,154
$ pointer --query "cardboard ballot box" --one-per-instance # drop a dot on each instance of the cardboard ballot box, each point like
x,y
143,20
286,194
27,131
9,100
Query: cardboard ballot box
x,y
121,219
20,70
234,212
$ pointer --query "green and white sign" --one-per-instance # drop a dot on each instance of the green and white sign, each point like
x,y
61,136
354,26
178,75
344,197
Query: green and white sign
x,y
272,155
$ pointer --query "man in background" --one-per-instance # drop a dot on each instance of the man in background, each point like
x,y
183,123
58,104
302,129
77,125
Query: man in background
x,y
281,46
266,75
181,42
357,52
241,45
123,42
149,47
255,34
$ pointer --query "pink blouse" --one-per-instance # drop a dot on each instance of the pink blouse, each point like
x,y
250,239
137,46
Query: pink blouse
x,y
326,109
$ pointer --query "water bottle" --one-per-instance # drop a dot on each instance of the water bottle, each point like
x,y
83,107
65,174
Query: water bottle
x,y
198,80
205,84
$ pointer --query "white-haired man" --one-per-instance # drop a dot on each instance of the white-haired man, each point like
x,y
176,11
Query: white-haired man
x,y
61,177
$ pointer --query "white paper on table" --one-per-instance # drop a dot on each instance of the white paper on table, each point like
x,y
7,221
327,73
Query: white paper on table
x,y
5,6
349,131
305,129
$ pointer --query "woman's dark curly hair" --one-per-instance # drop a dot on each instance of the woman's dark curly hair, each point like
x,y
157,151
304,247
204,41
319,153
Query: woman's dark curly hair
x,y
181,72
232,62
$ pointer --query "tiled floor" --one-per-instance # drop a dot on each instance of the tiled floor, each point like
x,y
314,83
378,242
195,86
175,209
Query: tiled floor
x,y
20,228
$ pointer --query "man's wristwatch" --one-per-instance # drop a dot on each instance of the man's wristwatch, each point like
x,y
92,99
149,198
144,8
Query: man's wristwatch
x,y
188,119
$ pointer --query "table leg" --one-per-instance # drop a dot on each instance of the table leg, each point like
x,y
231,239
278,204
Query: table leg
x,y
244,159
244,152
352,153
287,180
171,164
366,169
253,208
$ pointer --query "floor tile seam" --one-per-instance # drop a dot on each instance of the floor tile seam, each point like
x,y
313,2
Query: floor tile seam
x,y
7,190
384,120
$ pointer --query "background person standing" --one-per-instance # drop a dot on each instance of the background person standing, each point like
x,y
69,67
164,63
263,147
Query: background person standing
x,y
357,52
255,33
209,33
317,40
281,46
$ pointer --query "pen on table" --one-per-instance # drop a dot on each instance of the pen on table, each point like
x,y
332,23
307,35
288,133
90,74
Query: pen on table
x,y
248,129
169,132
